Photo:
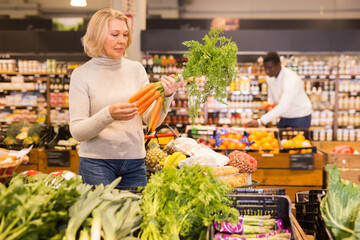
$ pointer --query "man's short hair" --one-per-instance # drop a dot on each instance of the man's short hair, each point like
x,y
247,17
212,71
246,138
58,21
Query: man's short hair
x,y
272,57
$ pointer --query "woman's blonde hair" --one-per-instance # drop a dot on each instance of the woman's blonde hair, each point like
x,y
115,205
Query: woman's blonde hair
x,y
98,28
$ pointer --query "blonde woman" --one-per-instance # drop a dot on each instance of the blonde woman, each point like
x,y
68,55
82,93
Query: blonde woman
x,y
110,129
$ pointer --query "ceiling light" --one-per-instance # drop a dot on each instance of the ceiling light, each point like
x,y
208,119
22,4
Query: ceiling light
x,y
78,3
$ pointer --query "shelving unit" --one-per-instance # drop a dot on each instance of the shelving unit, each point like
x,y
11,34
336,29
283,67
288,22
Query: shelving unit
x,y
332,88
39,95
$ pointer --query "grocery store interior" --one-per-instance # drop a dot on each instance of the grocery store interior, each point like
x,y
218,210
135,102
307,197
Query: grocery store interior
x,y
41,44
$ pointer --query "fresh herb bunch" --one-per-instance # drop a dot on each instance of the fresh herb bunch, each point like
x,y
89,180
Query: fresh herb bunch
x,y
216,60
181,203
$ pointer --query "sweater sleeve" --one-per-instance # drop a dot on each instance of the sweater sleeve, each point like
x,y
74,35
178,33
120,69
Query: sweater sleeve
x,y
291,87
83,126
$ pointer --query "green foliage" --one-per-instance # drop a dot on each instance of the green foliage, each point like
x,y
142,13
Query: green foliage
x,y
181,203
340,208
216,60
34,210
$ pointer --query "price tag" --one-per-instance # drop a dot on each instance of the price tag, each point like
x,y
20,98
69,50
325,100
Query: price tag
x,y
52,75
37,75
267,155
313,76
23,90
332,76
2,107
61,75
29,107
322,76
12,107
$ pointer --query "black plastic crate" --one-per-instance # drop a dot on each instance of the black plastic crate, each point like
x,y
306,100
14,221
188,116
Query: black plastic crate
x,y
322,231
278,206
307,208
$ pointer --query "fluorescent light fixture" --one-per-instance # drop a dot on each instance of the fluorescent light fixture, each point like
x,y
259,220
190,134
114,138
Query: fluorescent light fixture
x,y
78,3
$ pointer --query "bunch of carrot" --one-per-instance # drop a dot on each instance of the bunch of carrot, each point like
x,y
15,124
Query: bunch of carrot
x,y
145,97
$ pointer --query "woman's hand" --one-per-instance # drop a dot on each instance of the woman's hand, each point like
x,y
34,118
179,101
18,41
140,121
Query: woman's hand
x,y
170,85
123,111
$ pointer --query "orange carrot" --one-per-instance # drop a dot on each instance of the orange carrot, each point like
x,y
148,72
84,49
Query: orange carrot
x,y
156,120
145,107
145,97
150,100
141,92
155,114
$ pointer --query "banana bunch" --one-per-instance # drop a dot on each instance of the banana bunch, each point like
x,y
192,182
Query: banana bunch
x,y
174,159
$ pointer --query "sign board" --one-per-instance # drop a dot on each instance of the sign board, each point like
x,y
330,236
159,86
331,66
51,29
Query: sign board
x,y
58,158
303,161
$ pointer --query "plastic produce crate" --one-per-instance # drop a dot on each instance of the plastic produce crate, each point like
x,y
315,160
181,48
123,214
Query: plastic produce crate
x,y
307,208
278,206
322,231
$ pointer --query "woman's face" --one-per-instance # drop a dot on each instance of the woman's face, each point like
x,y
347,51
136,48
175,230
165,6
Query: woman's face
x,y
116,38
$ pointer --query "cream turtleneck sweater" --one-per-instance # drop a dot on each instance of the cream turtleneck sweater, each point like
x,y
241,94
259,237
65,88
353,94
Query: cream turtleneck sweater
x,y
96,85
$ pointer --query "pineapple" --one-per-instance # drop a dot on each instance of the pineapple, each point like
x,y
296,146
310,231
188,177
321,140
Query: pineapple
x,y
243,161
154,156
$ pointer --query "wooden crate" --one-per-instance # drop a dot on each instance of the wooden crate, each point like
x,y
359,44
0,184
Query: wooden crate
x,y
275,172
349,164
45,168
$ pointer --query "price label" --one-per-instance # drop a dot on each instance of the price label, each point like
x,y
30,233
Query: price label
x,y
12,107
30,108
2,107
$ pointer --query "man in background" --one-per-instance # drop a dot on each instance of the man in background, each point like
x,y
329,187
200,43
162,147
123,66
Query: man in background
x,y
286,91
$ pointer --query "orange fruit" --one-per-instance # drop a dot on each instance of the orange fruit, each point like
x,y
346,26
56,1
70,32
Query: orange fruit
x,y
230,135
266,145
226,143
252,137
288,144
271,135
238,136
255,145
240,145
298,144
275,143
222,146
231,145
299,137
222,136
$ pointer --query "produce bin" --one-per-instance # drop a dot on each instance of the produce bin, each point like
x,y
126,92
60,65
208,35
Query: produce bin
x,y
348,164
278,206
307,207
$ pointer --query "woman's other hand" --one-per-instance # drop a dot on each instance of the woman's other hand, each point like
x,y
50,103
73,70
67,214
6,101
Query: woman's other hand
x,y
123,111
170,85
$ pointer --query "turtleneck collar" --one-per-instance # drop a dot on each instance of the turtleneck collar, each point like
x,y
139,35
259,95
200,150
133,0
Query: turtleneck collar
x,y
106,61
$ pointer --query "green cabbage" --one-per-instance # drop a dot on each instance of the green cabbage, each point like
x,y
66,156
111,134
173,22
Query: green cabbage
x,y
340,208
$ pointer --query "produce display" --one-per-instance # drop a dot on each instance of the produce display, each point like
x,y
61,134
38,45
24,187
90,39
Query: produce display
x,y
9,162
34,206
182,203
344,149
252,226
340,208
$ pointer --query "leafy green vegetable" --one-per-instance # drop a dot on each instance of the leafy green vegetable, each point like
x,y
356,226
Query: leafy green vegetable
x,y
216,59
34,210
340,208
181,203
